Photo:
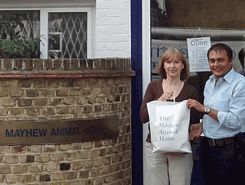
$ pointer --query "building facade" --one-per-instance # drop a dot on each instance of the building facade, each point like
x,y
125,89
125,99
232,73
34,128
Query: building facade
x,y
83,73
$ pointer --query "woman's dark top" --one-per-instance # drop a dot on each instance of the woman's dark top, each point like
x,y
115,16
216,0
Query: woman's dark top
x,y
155,90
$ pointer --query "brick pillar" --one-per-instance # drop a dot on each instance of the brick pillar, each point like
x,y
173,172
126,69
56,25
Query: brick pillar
x,y
67,89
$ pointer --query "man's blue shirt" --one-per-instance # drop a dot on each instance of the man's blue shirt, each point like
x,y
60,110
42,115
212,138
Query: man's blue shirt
x,y
228,98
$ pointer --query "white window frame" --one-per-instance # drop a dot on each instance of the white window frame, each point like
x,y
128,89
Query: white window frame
x,y
44,26
146,44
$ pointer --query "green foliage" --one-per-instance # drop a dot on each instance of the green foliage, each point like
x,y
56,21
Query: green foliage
x,y
29,48
13,43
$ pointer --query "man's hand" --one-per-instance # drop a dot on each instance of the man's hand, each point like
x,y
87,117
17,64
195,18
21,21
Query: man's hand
x,y
195,104
196,130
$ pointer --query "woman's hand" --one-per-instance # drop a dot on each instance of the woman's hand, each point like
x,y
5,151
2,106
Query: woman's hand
x,y
165,96
195,104
195,130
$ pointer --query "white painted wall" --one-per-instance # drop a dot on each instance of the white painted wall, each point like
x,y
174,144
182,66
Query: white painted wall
x,y
112,29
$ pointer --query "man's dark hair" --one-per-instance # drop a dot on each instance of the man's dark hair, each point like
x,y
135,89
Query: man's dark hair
x,y
219,47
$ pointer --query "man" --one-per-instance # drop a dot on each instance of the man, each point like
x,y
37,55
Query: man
x,y
241,136
224,112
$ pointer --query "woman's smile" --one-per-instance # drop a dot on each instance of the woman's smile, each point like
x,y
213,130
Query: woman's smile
x,y
173,66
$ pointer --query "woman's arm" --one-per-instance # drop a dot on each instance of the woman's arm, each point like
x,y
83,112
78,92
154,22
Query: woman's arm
x,y
149,96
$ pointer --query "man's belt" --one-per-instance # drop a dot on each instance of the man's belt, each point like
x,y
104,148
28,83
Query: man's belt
x,y
220,142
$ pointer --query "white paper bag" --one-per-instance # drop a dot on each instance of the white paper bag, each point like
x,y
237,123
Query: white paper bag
x,y
169,125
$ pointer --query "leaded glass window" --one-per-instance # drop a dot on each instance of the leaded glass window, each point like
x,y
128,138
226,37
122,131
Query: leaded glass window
x,y
67,35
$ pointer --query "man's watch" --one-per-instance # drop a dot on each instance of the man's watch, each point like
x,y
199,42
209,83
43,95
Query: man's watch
x,y
207,109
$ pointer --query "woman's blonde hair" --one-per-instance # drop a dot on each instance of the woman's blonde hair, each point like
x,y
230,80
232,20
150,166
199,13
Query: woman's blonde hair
x,y
165,56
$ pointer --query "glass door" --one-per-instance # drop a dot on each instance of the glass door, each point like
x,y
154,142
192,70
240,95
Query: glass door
x,y
168,23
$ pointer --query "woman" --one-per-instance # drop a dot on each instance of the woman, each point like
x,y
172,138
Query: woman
x,y
169,168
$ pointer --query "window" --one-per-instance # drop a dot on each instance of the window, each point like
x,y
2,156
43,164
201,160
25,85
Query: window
x,y
64,33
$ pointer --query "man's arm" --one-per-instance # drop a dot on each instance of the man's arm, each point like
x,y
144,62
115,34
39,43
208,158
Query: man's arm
x,y
201,108
236,114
